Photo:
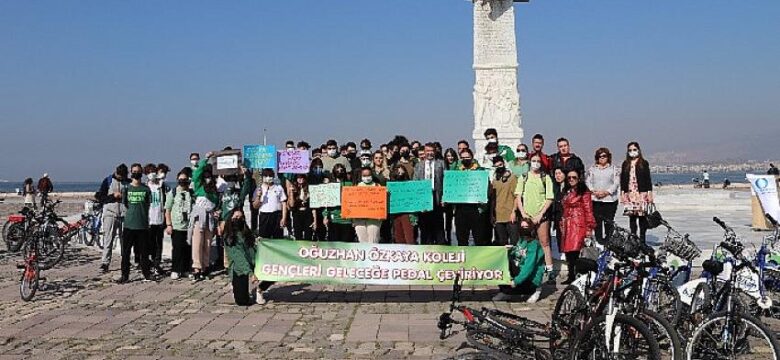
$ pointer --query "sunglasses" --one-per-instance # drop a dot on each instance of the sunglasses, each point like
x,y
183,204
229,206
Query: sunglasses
x,y
573,177
603,156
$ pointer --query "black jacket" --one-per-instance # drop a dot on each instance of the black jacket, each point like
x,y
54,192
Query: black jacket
x,y
573,163
642,176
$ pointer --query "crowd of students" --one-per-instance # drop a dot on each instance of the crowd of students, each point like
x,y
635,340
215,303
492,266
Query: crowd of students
x,y
530,196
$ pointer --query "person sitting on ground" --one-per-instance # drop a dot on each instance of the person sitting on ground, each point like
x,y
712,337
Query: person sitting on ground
x,y
526,264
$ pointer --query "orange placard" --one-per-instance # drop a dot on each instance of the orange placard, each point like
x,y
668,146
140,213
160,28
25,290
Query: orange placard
x,y
364,202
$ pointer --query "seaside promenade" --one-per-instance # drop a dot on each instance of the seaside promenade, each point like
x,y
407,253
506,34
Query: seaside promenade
x,y
81,314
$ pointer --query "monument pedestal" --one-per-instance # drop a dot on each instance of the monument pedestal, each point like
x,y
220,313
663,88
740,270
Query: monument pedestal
x,y
496,96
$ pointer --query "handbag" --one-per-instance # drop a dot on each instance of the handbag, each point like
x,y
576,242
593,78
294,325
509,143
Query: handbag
x,y
654,218
589,251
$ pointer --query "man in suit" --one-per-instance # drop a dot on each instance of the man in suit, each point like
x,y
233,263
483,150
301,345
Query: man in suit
x,y
432,222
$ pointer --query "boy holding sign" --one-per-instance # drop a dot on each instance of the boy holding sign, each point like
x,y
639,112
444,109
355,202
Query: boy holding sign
x,y
472,219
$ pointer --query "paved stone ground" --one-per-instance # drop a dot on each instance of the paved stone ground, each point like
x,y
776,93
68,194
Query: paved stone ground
x,y
81,314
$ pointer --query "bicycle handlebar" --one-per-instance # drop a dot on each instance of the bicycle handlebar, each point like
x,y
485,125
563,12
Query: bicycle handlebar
x,y
771,219
721,223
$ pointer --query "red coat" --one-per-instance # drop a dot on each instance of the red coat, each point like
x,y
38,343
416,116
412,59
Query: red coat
x,y
577,220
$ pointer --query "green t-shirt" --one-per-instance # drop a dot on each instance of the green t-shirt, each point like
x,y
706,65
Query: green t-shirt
x,y
520,170
179,204
138,200
534,193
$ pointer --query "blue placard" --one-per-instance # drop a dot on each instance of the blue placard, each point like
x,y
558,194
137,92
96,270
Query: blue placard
x,y
260,156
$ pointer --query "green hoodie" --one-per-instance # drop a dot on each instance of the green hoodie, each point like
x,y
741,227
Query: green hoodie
x,y
232,199
197,183
528,257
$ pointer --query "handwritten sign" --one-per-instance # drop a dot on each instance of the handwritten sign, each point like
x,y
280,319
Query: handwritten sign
x,y
294,162
227,162
260,156
465,187
410,196
364,202
325,195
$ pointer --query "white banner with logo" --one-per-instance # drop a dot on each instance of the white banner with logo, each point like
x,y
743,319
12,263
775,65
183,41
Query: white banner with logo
x,y
765,187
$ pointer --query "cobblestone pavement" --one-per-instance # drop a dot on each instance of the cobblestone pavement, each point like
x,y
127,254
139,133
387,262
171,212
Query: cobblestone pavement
x,y
82,314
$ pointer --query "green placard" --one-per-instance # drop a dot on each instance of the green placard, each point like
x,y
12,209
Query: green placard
x,y
325,195
410,196
380,264
465,187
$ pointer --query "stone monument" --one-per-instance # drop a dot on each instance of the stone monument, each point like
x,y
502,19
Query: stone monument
x,y
496,97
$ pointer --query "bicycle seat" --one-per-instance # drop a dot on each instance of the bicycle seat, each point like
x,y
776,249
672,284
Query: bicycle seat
x,y
584,265
713,267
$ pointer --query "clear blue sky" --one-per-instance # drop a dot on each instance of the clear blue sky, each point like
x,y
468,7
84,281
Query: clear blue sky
x,y
85,85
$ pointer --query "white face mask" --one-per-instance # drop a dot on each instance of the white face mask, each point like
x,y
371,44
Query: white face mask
x,y
536,165
332,153
208,180
521,154
194,162
365,162
268,179
633,153
492,141
161,176
366,179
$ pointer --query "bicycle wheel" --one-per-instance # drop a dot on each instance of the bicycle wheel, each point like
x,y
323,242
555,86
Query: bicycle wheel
x,y
5,232
495,344
623,337
732,336
14,238
668,339
569,312
663,299
29,282
479,355
51,249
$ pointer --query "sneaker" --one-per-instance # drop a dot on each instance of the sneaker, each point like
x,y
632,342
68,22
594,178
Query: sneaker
x,y
174,275
259,298
147,279
502,297
122,280
548,268
159,271
197,277
534,297
104,268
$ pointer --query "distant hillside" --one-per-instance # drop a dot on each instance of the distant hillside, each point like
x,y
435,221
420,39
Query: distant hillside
x,y
758,147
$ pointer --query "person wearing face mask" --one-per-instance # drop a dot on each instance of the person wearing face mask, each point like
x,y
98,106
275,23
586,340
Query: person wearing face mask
x,y
135,234
526,266
111,196
491,151
534,196
567,160
302,215
316,177
232,195
450,163
520,166
636,189
156,183
240,249
537,143
502,200
471,219
363,160
339,229
402,224
365,145
555,212
352,156
432,222
204,216
367,230
491,135
178,207
194,160
333,157
271,200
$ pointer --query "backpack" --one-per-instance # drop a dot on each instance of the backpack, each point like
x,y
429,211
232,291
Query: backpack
x,y
102,194
543,177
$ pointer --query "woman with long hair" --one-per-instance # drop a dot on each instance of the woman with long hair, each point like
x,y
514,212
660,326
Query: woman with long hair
x,y
577,220
240,249
636,188
450,163
203,221
298,202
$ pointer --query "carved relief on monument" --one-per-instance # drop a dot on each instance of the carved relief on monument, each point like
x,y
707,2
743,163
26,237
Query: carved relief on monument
x,y
496,99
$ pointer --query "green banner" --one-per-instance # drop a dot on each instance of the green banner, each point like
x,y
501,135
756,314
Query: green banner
x,y
380,264
410,196
465,187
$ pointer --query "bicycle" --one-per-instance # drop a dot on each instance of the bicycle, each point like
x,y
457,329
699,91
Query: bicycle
x,y
495,333
28,284
727,331
618,296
